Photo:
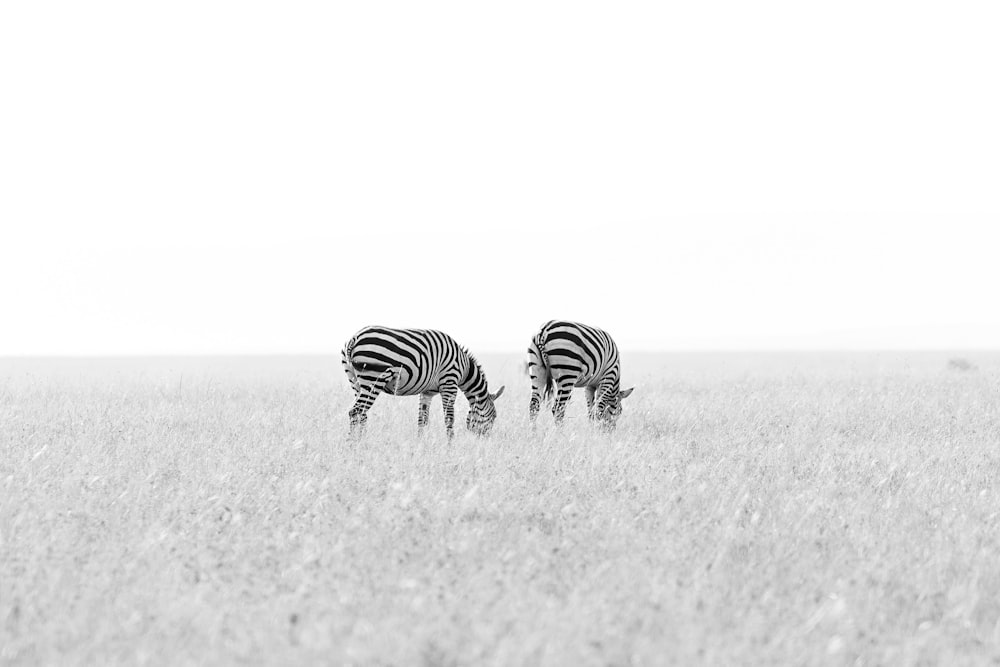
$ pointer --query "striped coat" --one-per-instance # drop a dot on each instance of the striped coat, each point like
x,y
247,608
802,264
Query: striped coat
x,y
564,355
411,362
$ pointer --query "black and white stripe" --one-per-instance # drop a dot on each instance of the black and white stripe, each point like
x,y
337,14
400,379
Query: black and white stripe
x,y
564,355
407,362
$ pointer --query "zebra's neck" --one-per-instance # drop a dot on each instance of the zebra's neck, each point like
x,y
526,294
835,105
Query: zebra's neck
x,y
612,380
473,383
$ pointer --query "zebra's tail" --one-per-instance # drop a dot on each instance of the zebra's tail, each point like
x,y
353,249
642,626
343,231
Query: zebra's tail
x,y
540,369
348,349
345,360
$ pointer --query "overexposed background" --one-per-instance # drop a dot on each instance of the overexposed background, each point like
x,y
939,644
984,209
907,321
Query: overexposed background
x,y
250,177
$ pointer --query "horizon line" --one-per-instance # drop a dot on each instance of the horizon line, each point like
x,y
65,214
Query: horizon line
x,y
727,350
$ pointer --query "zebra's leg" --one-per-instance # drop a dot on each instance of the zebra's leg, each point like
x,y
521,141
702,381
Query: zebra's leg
x,y
536,404
590,402
423,412
449,392
366,395
563,393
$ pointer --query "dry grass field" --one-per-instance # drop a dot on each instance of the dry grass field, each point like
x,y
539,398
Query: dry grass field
x,y
750,509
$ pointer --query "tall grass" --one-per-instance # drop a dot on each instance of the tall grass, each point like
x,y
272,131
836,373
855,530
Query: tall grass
x,y
836,511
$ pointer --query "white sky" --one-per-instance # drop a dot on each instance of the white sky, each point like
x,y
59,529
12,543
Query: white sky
x,y
240,177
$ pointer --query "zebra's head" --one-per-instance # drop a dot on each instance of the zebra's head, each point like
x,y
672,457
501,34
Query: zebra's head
x,y
483,413
610,409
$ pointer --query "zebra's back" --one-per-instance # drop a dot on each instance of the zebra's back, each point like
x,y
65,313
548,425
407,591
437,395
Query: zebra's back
x,y
575,348
418,357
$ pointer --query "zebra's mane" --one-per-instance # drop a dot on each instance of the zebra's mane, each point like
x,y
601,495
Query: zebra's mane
x,y
472,360
474,366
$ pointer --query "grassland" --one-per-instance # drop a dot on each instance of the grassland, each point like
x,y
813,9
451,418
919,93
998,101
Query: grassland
x,y
756,509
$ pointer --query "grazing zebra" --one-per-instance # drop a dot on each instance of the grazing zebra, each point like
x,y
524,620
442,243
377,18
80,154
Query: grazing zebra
x,y
407,362
564,355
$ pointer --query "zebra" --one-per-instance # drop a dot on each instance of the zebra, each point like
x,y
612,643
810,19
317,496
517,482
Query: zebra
x,y
407,362
564,355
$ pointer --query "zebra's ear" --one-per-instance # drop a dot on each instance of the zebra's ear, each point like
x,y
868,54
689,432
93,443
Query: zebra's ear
x,y
497,395
625,394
